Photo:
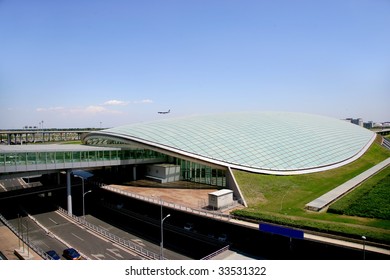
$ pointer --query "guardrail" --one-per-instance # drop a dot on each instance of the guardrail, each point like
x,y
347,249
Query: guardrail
x,y
123,242
25,239
216,253
158,201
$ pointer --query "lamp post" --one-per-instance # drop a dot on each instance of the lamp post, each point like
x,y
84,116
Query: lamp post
x,y
364,247
84,193
84,203
162,237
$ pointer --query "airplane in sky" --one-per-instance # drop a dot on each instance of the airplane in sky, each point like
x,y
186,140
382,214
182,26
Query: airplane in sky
x,y
165,112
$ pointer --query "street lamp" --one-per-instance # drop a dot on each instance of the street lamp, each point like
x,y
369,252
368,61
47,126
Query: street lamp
x,y
84,193
162,237
364,247
84,203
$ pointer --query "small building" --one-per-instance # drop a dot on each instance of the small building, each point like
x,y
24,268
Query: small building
x,y
163,173
221,199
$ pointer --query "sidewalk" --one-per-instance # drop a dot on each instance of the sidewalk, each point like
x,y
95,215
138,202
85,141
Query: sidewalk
x,y
324,200
9,242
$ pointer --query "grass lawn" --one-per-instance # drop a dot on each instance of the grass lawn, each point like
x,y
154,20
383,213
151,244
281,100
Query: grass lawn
x,y
282,199
371,199
78,142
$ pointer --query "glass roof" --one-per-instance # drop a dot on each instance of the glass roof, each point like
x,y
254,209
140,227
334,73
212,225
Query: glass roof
x,y
258,141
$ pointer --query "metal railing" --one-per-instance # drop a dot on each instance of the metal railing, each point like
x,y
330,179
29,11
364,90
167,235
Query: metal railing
x,y
158,201
108,235
23,238
216,253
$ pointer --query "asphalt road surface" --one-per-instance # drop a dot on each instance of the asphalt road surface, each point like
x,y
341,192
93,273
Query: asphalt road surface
x,y
55,232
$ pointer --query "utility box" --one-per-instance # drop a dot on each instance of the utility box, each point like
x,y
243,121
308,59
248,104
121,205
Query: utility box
x,y
163,173
221,199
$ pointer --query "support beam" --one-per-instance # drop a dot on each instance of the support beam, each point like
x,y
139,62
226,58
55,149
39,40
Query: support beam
x,y
68,191
134,173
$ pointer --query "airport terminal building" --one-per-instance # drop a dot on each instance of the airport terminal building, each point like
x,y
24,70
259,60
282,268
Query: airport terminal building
x,y
206,147
202,149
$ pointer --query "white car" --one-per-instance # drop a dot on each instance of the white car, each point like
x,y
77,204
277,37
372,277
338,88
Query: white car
x,y
189,226
222,237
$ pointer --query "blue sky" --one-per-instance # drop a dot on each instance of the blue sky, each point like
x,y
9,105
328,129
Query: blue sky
x,y
89,63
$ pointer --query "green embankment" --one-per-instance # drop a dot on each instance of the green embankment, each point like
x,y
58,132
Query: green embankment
x,y
281,199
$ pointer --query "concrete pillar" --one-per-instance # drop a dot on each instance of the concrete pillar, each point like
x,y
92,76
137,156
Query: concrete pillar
x,y
134,173
69,192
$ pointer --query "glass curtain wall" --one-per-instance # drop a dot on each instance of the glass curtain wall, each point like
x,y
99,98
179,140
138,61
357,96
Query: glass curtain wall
x,y
76,156
199,173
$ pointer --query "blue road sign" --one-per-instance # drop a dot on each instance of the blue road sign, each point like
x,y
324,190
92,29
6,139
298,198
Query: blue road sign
x,y
289,232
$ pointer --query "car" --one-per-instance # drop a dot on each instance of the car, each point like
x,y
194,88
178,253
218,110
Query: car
x,y
189,226
53,255
222,237
71,254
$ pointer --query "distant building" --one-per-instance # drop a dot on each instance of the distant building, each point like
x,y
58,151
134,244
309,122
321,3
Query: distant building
x,y
369,125
358,121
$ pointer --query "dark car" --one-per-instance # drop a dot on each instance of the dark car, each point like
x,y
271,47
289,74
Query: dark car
x,y
71,254
53,255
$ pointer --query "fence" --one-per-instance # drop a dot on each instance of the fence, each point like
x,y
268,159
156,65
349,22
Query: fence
x,y
106,234
216,253
158,201
25,239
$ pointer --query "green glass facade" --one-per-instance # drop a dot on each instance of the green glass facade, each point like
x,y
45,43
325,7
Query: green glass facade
x,y
33,158
190,171
199,173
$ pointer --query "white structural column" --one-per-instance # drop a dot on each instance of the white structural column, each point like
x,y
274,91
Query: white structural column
x,y
68,191
134,173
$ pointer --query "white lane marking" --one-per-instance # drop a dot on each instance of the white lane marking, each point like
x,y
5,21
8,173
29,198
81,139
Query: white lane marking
x,y
114,251
98,256
53,221
77,236
111,256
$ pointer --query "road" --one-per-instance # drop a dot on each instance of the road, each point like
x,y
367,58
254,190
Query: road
x,y
51,231
169,254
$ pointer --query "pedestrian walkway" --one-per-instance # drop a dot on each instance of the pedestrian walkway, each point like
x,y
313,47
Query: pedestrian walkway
x,y
9,242
232,255
326,199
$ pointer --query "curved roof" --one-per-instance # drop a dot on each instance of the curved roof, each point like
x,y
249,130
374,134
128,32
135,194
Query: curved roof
x,y
263,142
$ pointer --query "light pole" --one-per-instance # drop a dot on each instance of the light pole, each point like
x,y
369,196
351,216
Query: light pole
x,y
364,247
84,193
84,203
162,237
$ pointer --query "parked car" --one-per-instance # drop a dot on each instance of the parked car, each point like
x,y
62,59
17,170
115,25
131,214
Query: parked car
x,y
71,254
222,237
53,254
189,226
